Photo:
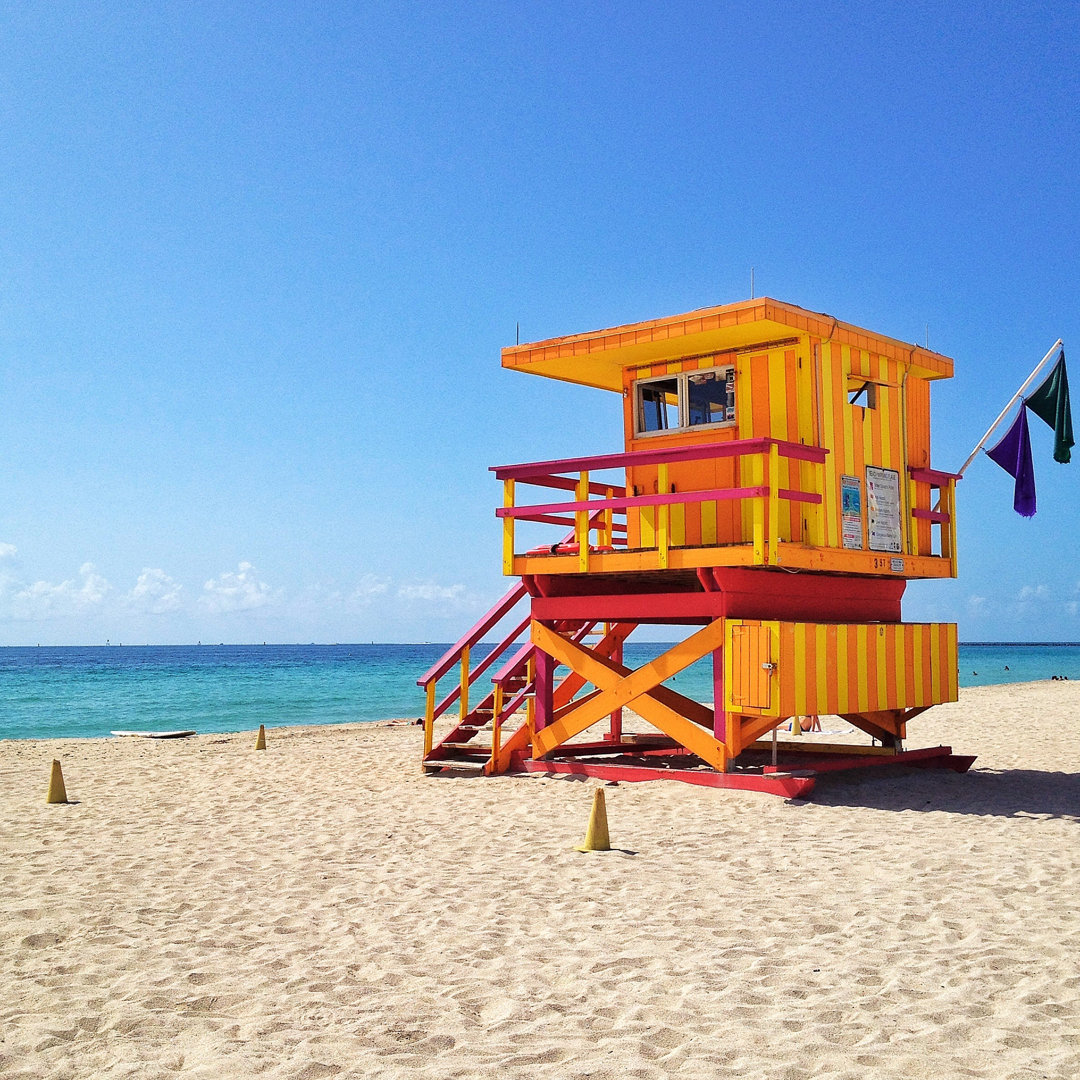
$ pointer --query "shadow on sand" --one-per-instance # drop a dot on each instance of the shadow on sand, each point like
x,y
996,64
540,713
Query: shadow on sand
x,y
981,792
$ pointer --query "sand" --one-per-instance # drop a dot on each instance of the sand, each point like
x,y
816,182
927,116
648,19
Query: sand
x,y
321,909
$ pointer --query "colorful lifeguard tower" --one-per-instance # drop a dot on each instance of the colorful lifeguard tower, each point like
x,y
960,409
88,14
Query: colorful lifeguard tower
x,y
773,497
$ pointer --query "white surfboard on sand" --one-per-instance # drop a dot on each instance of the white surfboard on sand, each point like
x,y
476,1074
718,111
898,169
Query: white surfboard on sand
x,y
155,734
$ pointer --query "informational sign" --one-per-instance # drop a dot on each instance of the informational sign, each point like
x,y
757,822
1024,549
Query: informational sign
x,y
851,511
883,509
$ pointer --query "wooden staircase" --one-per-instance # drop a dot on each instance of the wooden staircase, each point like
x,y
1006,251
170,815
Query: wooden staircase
x,y
470,745
477,743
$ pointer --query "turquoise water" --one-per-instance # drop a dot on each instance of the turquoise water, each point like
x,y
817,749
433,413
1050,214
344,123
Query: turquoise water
x,y
59,692
79,692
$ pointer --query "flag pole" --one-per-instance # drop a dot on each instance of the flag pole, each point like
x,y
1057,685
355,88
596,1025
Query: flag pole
x,y
1012,401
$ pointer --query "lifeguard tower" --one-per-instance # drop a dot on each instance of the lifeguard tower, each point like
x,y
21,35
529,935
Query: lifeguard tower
x,y
773,497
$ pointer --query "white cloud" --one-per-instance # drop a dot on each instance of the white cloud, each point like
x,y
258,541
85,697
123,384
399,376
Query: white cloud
x,y
94,586
7,551
1033,592
430,592
368,587
43,599
240,591
155,592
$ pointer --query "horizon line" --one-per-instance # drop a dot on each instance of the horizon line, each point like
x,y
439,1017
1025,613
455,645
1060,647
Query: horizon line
x,y
351,644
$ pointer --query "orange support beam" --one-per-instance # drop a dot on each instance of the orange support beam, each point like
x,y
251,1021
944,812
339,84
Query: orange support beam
x,y
620,686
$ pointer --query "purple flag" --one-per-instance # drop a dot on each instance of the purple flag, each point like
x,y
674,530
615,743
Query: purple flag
x,y
1013,454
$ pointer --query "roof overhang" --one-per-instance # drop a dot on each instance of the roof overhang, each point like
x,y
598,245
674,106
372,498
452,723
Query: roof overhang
x,y
598,358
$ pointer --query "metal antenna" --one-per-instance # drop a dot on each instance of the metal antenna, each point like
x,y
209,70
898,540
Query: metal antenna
x,y
751,283
517,335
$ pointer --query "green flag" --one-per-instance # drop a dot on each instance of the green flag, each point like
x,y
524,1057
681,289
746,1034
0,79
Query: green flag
x,y
1051,403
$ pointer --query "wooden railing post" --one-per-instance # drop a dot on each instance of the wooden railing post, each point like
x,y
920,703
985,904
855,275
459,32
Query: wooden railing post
x,y
581,522
819,533
530,701
758,507
950,530
914,547
663,516
463,699
508,528
496,725
429,717
774,502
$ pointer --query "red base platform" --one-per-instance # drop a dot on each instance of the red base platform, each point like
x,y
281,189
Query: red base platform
x,y
794,778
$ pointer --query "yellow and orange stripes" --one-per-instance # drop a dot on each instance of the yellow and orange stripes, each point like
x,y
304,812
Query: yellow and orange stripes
x,y
839,668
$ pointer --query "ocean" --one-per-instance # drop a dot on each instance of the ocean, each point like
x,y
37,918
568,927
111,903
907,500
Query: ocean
x,y
78,692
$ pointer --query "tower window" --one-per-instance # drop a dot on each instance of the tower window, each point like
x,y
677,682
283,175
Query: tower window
x,y
658,405
690,399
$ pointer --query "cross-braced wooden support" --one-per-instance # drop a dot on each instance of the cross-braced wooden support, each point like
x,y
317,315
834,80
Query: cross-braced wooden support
x,y
687,722
557,697
876,677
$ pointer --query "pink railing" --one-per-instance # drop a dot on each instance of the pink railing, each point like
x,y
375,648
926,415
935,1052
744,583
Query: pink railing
x,y
589,514
937,490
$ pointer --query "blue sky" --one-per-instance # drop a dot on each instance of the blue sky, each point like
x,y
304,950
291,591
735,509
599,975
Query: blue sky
x,y
257,262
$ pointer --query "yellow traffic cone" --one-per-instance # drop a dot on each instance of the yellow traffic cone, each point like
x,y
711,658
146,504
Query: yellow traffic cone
x,y
57,792
260,739
596,835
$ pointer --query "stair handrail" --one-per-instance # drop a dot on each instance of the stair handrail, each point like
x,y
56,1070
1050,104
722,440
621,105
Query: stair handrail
x,y
459,654
486,622
481,667
453,654
514,664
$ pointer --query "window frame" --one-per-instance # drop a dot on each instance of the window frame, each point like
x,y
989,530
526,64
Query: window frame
x,y
682,387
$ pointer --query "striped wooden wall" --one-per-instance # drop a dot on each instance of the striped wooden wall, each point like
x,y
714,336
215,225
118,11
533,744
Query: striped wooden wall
x,y
777,397
774,398
838,668
703,524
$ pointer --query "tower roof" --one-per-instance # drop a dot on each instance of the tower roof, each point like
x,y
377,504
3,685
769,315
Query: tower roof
x,y
598,357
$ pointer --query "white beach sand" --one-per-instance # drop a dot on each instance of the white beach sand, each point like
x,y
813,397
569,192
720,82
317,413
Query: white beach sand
x,y
322,909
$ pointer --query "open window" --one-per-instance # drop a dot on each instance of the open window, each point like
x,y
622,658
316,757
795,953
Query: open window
x,y
689,399
658,405
861,392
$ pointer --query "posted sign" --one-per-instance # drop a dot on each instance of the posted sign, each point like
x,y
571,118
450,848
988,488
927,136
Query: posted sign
x,y
883,509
